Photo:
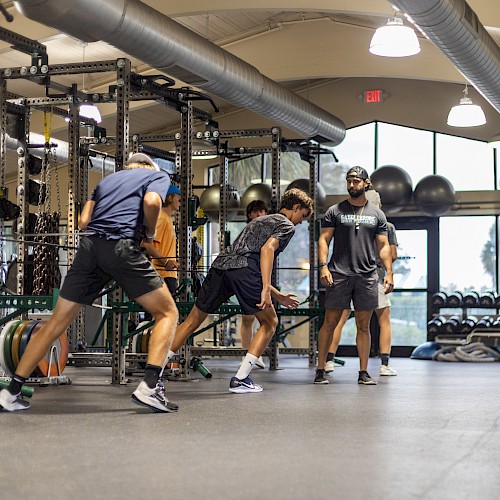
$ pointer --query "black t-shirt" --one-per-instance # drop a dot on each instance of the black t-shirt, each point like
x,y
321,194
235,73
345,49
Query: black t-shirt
x,y
354,237
118,211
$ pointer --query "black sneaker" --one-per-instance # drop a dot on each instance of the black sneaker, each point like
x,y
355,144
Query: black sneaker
x,y
9,402
154,399
365,379
320,377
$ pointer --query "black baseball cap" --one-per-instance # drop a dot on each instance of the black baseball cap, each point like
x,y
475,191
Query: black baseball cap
x,y
358,172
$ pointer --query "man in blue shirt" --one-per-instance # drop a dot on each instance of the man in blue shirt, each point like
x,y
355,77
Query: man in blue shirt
x,y
123,209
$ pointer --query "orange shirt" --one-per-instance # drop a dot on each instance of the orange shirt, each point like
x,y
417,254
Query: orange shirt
x,y
166,243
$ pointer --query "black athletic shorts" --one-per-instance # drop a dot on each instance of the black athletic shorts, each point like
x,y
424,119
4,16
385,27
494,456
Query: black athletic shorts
x,y
361,289
245,283
99,260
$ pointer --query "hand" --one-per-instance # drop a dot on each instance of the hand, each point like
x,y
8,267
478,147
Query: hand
x,y
388,283
288,300
265,299
326,276
172,265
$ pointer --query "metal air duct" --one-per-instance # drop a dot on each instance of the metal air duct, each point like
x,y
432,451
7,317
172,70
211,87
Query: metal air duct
x,y
144,33
456,30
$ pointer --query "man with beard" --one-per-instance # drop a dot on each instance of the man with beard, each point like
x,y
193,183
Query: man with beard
x,y
351,274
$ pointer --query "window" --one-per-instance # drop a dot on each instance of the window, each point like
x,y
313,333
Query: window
x,y
467,253
358,148
466,163
408,148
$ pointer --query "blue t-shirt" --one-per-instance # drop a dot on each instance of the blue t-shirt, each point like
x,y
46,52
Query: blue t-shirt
x,y
118,211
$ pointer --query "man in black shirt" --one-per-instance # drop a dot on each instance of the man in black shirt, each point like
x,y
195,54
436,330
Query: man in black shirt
x,y
351,275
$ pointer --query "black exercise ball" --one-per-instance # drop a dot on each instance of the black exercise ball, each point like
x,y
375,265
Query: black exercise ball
x,y
256,192
210,202
434,195
394,186
304,185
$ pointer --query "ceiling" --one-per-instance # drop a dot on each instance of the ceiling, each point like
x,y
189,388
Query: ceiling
x,y
305,46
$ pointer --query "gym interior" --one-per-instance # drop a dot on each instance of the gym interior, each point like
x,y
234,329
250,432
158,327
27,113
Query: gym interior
x,y
237,102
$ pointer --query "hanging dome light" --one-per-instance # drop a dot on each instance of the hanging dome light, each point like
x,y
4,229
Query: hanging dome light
x,y
90,111
466,114
494,142
394,40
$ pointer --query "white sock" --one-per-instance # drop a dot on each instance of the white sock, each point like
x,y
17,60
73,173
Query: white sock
x,y
246,366
168,357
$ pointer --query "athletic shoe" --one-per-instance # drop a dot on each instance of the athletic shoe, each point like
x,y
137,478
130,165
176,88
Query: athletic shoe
x,y
242,386
320,377
260,363
154,399
365,379
329,367
387,371
9,402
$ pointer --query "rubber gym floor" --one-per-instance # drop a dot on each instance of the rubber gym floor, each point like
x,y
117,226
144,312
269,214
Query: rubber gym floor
x,y
432,432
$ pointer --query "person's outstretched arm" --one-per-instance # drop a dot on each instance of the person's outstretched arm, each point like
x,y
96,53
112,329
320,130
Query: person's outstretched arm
x,y
266,267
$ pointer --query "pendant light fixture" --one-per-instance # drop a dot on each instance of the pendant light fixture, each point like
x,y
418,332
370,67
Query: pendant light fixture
x,y
394,40
466,114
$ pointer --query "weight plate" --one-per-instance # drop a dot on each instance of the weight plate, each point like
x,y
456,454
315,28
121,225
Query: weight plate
x,y
28,331
16,341
3,333
7,357
62,346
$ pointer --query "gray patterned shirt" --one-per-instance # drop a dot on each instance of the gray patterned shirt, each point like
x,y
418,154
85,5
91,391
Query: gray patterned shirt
x,y
252,238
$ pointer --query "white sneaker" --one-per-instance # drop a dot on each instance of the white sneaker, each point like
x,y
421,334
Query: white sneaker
x,y
387,371
154,399
329,367
260,362
10,402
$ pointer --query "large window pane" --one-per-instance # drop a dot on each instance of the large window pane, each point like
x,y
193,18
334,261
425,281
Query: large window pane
x,y
358,148
410,269
241,173
466,163
467,256
408,148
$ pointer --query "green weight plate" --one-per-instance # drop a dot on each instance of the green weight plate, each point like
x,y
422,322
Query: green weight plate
x,y
3,333
7,347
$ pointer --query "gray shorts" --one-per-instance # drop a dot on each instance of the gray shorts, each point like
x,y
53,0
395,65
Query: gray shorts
x,y
383,298
361,289
99,261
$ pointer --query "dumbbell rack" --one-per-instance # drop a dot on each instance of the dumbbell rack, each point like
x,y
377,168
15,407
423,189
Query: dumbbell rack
x,y
489,336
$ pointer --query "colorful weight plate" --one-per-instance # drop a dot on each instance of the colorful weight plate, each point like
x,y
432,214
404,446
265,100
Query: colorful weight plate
x,y
16,341
7,348
62,346
28,331
3,333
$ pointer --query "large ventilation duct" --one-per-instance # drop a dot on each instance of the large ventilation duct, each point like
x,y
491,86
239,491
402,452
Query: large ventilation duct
x,y
456,30
144,33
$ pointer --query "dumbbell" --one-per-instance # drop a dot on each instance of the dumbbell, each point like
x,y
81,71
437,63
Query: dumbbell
x,y
25,391
197,365
470,299
485,322
487,299
451,325
438,299
468,324
435,324
454,299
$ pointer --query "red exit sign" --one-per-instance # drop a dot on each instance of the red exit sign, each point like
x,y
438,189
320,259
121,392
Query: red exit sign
x,y
370,96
